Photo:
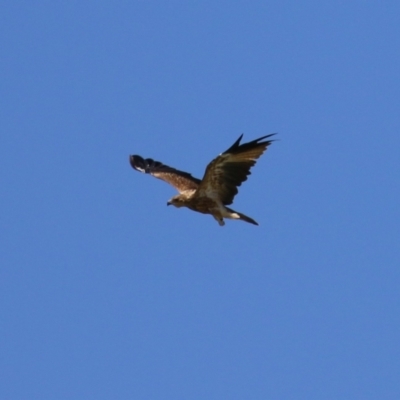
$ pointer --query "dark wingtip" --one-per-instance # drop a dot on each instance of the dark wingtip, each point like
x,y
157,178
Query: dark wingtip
x,y
143,165
235,145
267,136
251,221
258,141
137,162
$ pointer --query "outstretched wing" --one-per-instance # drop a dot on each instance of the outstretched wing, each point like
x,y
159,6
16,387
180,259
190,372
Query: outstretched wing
x,y
178,179
230,169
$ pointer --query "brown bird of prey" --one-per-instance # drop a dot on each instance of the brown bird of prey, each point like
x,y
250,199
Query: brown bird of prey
x,y
219,185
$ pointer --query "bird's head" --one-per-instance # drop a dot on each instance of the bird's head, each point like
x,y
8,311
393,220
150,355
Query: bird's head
x,y
176,201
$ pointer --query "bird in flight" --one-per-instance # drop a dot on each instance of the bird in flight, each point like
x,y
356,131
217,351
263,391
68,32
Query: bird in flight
x,y
221,179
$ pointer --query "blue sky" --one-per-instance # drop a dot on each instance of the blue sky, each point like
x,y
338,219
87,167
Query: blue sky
x,y
108,294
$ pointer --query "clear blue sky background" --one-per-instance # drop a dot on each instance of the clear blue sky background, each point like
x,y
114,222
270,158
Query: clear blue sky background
x,y
108,294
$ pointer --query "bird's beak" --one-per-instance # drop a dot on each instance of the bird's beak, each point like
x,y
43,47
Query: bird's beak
x,y
168,203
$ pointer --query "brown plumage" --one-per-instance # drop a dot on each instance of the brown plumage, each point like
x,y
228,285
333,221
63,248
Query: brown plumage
x,y
219,185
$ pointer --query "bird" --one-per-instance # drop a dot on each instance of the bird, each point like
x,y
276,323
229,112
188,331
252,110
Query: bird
x,y
222,177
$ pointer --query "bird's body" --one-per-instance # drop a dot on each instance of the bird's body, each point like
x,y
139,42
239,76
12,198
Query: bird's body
x,y
219,185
